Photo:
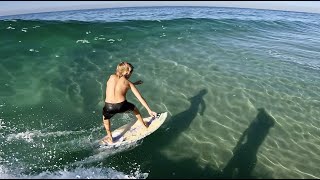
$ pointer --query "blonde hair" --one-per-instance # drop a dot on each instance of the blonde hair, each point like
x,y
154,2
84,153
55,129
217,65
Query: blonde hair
x,y
123,68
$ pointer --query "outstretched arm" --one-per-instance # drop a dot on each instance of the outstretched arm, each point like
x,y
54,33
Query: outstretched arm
x,y
141,99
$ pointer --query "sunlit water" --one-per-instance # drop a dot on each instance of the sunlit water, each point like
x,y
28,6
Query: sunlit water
x,y
241,88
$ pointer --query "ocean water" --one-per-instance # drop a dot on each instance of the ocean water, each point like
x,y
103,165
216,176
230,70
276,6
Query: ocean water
x,y
241,88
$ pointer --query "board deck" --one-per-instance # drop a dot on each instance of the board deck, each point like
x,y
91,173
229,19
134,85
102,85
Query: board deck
x,y
135,130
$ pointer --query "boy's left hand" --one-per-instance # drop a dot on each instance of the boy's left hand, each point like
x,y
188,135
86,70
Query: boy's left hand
x,y
138,82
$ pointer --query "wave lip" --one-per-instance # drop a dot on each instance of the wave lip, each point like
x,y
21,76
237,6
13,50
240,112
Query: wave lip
x,y
164,13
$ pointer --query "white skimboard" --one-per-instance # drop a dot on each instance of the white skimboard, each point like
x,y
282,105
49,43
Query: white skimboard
x,y
134,131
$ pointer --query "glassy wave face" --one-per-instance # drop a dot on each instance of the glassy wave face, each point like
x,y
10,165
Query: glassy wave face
x,y
241,87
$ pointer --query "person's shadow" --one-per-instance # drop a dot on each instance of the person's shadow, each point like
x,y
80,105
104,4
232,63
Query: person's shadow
x,y
245,153
183,168
182,121
240,165
158,164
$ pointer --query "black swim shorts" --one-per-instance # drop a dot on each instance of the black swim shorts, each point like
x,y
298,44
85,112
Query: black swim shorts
x,y
110,109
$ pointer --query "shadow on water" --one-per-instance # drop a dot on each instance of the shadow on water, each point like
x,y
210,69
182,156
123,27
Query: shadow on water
x,y
158,164
182,121
245,153
163,167
151,160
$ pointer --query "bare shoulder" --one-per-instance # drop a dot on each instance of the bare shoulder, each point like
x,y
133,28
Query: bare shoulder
x,y
112,77
130,84
125,81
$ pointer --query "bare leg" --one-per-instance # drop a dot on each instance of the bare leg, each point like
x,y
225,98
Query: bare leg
x,y
138,116
106,123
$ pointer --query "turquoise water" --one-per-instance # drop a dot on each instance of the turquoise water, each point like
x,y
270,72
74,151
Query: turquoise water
x,y
241,88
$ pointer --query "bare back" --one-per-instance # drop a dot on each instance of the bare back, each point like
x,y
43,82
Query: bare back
x,y
116,89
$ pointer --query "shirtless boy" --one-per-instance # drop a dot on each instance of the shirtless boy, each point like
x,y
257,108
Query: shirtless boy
x,y
118,85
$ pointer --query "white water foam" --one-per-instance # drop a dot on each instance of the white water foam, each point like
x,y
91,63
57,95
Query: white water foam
x,y
83,41
29,135
77,173
103,152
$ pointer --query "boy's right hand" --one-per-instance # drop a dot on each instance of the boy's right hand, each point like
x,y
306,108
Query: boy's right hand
x,y
153,114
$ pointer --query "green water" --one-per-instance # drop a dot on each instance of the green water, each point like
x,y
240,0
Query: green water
x,y
211,75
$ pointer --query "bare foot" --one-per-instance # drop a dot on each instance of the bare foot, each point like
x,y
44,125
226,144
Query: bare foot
x,y
107,140
146,124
